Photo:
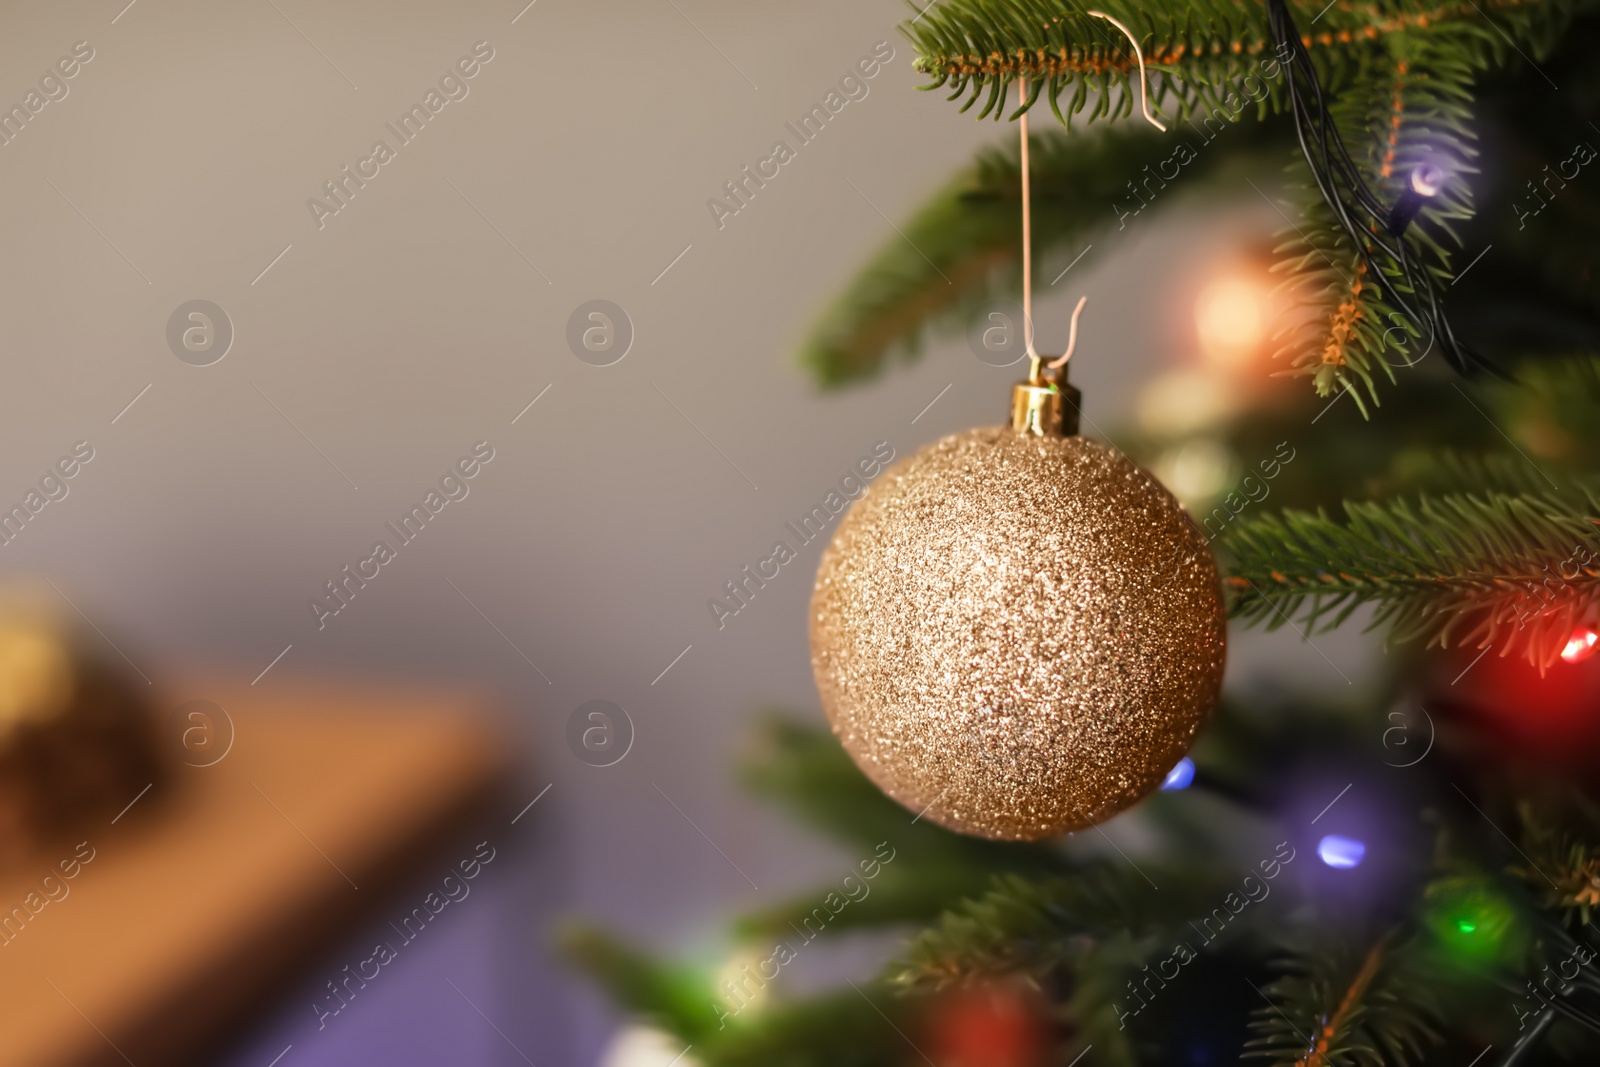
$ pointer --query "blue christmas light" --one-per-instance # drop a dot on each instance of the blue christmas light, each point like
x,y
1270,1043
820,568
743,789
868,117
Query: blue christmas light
x,y
1341,853
1181,775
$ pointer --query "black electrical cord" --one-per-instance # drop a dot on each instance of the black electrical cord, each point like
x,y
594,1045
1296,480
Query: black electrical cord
x,y
1371,224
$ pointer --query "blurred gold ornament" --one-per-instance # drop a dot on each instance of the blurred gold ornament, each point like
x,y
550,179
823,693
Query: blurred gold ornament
x,y
77,741
1016,632
35,675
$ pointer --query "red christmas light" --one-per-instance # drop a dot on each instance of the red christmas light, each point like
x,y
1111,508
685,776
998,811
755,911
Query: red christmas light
x,y
1580,646
999,1025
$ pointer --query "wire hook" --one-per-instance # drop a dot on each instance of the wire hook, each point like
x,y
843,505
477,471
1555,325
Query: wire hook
x,y
1072,338
1144,81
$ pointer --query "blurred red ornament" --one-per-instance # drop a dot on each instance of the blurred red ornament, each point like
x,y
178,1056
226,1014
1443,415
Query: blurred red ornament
x,y
1002,1025
1580,646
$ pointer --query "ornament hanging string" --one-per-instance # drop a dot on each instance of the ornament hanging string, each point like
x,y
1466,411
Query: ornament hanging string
x,y
1036,364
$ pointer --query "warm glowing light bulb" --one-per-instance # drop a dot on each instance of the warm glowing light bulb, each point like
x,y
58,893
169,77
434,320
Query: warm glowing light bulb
x,y
1230,320
1580,646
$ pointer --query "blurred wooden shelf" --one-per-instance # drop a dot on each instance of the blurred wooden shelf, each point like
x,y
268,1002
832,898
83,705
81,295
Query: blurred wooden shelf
x,y
210,891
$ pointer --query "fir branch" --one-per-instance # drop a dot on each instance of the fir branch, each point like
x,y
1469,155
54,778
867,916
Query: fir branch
x,y
1338,1023
903,892
1576,870
1400,76
842,1029
1518,571
803,768
861,1027
1202,49
1447,471
1389,63
1092,930
1032,927
1099,984
1362,314
1561,845
1015,928
1335,1007
961,251
679,1000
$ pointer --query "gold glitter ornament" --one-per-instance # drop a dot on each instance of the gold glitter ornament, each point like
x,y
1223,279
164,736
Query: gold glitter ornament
x,y
1016,631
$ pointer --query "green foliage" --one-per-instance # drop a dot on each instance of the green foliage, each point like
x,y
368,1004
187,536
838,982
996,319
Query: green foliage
x,y
1464,922
1400,77
1560,852
1344,1004
1201,51
1025,927
1411,105
678,999
806,771
1514,565
848,1028
1403,79
960,252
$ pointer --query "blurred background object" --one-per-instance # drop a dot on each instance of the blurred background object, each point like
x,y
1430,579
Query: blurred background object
x,y
368,352
216,885
78,736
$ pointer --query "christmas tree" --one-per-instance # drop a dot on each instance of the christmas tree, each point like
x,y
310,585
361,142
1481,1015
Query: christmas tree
x,y
1401,875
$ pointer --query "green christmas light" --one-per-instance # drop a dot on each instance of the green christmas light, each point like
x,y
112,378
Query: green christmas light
x,y
1471,920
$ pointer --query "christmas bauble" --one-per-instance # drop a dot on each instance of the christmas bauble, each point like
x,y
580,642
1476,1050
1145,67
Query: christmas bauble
x,y
1017,635
77,739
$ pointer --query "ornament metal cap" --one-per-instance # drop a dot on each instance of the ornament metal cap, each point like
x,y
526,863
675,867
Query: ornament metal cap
x,y
1042,408
1045,405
